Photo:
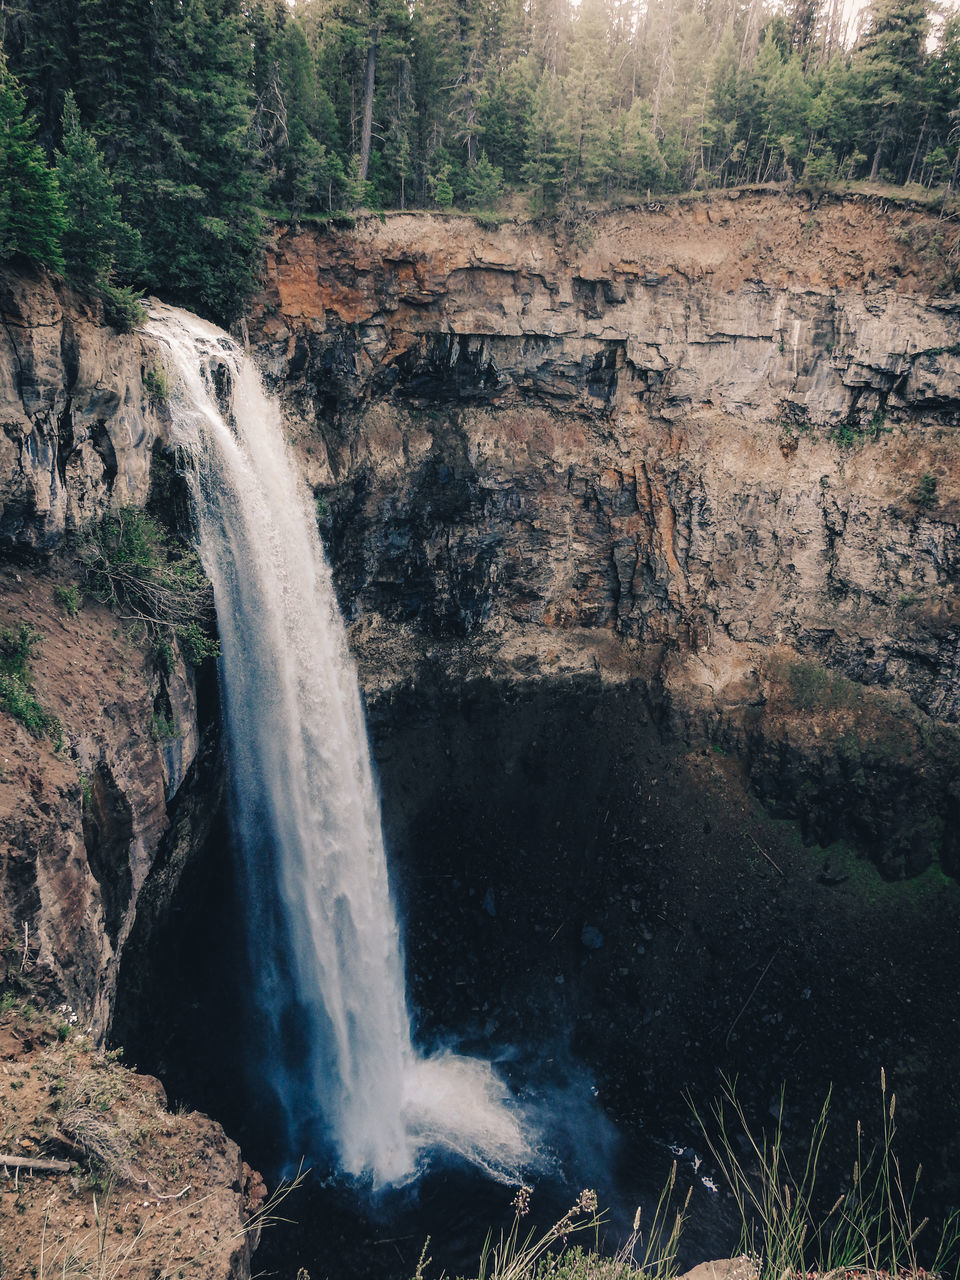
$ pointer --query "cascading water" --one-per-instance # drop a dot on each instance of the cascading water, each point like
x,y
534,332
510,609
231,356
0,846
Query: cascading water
x,y
325,943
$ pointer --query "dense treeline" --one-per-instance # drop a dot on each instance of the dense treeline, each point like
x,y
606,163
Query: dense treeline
x,y
144,140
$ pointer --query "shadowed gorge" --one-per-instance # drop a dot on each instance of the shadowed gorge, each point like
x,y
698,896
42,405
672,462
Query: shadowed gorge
x,y
647,552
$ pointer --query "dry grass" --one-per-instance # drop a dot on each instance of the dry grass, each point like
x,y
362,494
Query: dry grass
x,y
871,1227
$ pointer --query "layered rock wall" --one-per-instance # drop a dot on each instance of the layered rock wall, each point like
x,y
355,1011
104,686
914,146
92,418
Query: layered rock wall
x,y
720,439
77,424
84,813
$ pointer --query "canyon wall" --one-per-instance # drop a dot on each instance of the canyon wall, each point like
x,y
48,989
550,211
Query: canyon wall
x,y
85,810
646,530
99,815
713,443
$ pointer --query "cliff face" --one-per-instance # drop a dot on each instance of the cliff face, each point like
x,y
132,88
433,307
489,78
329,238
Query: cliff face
x,y
82,820
78,426
717,443
97,820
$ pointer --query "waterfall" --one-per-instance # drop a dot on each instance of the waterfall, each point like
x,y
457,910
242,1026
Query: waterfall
x,y
325,944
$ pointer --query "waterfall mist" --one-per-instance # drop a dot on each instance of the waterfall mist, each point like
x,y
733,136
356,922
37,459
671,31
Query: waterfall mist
x,y
325,948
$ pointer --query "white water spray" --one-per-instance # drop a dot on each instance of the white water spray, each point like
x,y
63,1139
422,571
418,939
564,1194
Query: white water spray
x,y
326,946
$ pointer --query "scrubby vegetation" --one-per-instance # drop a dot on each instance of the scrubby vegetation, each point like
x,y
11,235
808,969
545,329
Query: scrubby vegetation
x,y
17,649
789,1225
131,563
792,1226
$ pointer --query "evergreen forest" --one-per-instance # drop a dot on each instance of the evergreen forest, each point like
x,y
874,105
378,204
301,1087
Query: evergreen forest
x,y
145,143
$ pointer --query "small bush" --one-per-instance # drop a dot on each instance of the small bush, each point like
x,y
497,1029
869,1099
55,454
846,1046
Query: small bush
x,y
68,598
122,308
814,687
924,493
845,434
17,648
156,383
163,728
16,687
131,564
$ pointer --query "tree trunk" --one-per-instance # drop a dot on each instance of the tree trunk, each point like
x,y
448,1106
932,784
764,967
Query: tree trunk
x,y
874,167
916,150
368,83
42,1166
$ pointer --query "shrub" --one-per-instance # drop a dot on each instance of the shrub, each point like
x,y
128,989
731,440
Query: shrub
x,y
16,687
122,307
163,728
924,493
131,564
68,598
156,383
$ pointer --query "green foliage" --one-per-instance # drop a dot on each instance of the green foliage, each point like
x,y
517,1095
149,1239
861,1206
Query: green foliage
x,y
815,687
186,121
156,383
17,698
68,598
649,1253
516,1257
31,210
924,492
163,728
483,184
122,307
130,563
96,240
441,188
16,650
820,168
357,191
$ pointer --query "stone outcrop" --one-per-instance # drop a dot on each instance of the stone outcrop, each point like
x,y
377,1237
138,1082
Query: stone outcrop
x,y
77,425
99,815
141,1190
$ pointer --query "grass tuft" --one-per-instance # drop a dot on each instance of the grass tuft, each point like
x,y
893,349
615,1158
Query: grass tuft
x,y
871,1225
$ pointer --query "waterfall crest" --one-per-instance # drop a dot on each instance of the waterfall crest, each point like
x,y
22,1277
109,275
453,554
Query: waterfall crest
x,y
326,947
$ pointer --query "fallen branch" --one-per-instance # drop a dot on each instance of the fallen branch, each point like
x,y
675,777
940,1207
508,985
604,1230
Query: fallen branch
x,y
751,995
35,1166
763,853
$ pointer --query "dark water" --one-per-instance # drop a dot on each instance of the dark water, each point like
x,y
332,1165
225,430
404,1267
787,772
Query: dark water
x,y
515,827
339,1230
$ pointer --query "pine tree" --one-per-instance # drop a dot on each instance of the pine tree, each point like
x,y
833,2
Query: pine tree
x,y
483,184
31,210
891,61
548,146
40,39
96,240
505,109
441,188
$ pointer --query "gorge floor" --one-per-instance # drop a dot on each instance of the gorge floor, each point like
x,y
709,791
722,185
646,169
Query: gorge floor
x,y
601,905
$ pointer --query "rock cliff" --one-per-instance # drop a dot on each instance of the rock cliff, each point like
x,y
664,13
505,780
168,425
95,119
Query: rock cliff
x,y
598,500
84,811
715,441
78,425
97,816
